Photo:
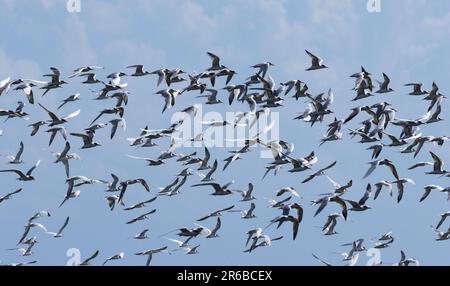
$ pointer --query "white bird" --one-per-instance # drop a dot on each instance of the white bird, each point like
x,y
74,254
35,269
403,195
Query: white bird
x,y
437,166
247,195
386,162
27,89
218,189
216,213
8,196
71,195
248,214
150,253
384,86
404,261
64,157
231,159
444,216
81,70
60,231
361,93
380,186
139,70
115,123
208,233
287,190
22,176
141,217
88,139
31,225
55,130
191,250
115,78
208,176
417,89
142,235
180,243
140,205
330,224
316,62
442,235
55,120
90,78
5,85
212,97
23,251
263,68
400,187
87,261
214,231
215,65
112,200
17,158
161,75
114,257
169,97
71,98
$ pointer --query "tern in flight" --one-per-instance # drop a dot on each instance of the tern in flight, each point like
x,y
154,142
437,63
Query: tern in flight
x,y
17,158
23,177
60,231
316,62
114,257
218,189
8,196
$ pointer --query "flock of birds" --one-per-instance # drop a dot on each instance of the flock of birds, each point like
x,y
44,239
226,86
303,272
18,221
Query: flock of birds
x,y
262,95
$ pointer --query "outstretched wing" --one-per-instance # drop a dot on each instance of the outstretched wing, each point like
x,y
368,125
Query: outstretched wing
x,y
34,167
93,256
51,114
66,222
215,60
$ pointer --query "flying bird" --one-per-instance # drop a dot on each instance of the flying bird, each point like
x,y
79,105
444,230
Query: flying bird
x,y
321,172
385,162
55,120
139,70
216,213
87,262
17,158
23,176
60,231
141,217
71,98
316,62
114,257
9,195
87,138
218,189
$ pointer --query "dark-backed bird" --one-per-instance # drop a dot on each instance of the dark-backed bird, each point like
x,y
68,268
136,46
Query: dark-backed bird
x,y
23,176
316,62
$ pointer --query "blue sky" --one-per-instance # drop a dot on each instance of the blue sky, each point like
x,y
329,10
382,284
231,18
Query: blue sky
x,y
409,40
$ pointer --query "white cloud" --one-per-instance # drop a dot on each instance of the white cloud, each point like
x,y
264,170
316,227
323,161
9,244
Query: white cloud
x,y
74,40
333,14
22,67
126,52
